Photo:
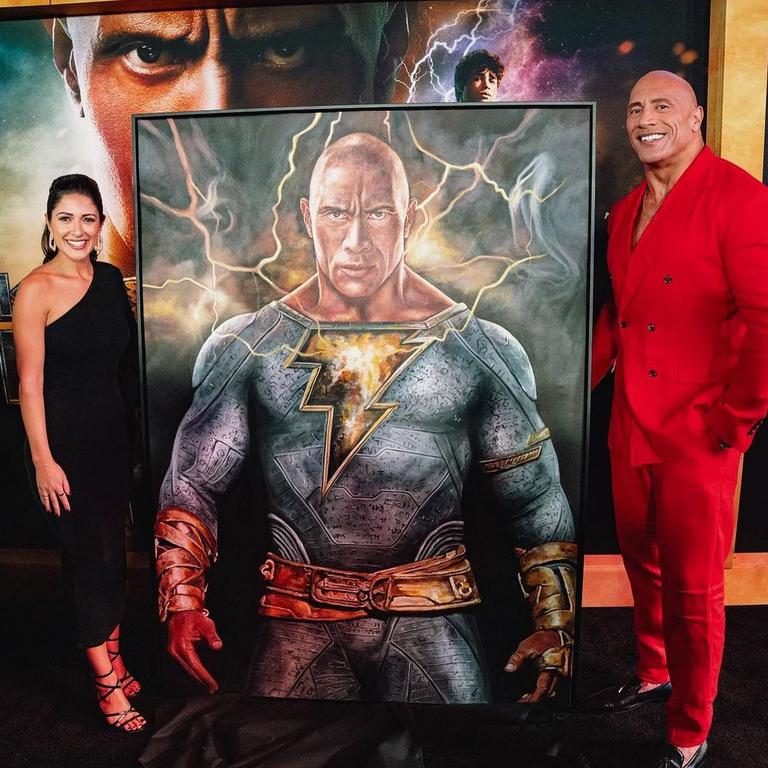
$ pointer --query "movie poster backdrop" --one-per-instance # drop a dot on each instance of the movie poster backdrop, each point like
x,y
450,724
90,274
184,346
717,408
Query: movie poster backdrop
x,y
362,442
71,84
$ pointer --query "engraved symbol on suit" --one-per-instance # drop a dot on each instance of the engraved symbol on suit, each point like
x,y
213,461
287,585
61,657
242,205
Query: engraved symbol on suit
x,y
351,371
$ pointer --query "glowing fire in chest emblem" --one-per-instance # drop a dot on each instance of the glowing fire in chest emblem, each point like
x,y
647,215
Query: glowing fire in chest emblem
x,y
351,371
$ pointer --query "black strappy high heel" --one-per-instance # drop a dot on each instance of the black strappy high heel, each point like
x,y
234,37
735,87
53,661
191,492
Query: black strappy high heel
x,y
127,678
121,718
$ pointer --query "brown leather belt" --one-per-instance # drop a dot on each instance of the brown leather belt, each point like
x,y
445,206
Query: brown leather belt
x,y
315,593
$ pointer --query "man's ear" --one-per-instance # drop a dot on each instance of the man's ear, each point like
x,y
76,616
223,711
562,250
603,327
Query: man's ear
x,y
698,118
64,60
304,205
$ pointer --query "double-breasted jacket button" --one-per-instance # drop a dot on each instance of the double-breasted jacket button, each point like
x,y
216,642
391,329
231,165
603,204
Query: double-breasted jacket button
x,y
623,324
651,327
667,279
652,373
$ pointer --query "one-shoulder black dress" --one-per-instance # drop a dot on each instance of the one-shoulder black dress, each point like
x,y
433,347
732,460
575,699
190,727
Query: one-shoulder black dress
x,y
89,370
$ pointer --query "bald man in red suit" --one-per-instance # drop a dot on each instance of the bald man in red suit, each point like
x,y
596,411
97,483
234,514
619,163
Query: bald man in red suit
x,y
686,333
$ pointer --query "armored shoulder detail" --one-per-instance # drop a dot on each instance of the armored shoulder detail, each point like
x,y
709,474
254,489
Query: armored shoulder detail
x,y
230,345
502,354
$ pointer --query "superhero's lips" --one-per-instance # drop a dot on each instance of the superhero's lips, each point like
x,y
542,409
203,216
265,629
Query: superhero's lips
x,y
355,269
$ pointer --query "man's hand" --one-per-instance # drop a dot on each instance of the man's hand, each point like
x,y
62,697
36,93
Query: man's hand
x,y
185,629
545,649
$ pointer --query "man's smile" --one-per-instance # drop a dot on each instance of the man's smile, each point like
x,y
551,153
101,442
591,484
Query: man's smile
x,y
650,137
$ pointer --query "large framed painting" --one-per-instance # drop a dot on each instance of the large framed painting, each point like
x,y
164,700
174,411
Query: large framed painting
x,y
365,334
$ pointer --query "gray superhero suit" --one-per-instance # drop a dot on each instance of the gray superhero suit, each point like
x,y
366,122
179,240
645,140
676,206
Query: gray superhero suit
x,y
365,434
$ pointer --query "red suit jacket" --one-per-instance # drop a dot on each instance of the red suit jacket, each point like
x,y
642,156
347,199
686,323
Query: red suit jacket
x,y
687,322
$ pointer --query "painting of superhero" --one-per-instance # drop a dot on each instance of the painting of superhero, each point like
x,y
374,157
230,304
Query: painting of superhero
x,y
380,316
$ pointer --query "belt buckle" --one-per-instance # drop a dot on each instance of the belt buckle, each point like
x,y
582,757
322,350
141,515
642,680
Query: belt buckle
x,y
379,594
340,590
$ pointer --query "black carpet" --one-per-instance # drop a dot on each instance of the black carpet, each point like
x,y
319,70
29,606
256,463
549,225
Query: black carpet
x,y
49,718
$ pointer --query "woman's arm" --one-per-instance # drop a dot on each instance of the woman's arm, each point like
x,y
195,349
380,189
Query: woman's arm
x,y
30,311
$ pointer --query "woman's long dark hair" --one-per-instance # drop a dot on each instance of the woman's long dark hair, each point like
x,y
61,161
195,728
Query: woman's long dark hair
x,y
72,183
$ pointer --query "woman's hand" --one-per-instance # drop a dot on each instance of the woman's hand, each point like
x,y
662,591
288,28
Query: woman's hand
x,y
53,487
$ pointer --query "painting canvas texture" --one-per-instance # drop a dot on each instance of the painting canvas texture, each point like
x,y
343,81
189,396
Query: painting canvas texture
x,y
365,336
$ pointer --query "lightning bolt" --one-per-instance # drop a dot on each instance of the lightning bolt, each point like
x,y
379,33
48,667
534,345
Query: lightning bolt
x,y
200,203
350,372
333,124
446,45
480,173
276,217
425,66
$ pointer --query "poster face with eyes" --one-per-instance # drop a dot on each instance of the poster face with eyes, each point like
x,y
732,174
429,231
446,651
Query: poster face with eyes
x,y
365,340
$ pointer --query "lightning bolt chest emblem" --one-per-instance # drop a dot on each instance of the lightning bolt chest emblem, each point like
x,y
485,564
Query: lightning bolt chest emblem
x,y
350,373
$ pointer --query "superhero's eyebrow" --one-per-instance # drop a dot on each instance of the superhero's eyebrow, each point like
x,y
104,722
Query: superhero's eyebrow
x,y
169,28
111,43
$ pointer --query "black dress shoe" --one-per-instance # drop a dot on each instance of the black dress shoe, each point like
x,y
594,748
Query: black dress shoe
x,y
622,698
673,758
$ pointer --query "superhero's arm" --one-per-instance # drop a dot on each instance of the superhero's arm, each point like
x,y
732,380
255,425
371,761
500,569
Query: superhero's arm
x,y
517,455
741,408
212,440
208,453
514,447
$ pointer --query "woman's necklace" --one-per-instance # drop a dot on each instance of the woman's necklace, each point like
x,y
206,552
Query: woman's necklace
x,y
645,213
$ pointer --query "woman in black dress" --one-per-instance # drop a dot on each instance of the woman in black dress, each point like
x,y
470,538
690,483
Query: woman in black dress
x,y
72,330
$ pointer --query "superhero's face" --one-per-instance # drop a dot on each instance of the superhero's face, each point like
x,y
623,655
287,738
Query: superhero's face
x,y
360,217
663,120
116,65
75,225
481,86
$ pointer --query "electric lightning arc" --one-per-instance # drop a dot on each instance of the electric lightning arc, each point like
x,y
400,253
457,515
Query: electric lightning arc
x,y
276,218
426,65
350,372
191,213
333,124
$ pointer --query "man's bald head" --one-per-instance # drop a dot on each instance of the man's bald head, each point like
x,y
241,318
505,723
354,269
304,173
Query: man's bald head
x,y
664,120
354,154
359,215
669,81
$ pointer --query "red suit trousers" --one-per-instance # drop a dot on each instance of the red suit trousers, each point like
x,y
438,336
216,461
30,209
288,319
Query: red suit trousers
x,y
675,524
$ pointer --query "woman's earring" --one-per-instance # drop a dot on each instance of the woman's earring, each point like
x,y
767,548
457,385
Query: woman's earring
x,y
51,242
99,245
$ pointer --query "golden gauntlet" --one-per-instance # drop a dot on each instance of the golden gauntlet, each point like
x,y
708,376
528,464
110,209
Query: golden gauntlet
x,y
184,550
548,579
